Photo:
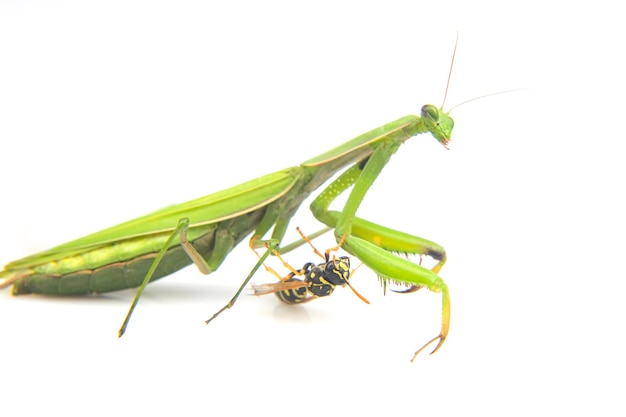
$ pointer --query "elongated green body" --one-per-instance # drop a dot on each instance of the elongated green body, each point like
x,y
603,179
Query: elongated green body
x,y
119,257
130,272
139,251
98,263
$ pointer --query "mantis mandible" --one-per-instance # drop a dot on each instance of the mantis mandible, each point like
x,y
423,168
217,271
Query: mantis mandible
x,y
205,230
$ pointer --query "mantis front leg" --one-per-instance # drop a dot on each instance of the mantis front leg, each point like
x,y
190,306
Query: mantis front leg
x,y
371,243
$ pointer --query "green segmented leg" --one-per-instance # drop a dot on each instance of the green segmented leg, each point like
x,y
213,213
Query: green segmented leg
x,y
371,243
181,231
222,247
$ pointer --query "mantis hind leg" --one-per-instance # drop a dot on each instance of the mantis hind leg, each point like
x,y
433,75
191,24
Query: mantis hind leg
x,y
180,230
224,242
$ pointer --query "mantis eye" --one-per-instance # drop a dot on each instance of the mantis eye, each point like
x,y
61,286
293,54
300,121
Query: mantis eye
x,y
430,112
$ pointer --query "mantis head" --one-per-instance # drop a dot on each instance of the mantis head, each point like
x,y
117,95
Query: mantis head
x,y
438,123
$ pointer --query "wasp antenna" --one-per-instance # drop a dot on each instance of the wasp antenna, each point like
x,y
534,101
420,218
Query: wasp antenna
x,y
357,293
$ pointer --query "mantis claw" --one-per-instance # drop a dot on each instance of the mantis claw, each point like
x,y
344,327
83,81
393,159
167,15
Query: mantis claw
x,y
439,337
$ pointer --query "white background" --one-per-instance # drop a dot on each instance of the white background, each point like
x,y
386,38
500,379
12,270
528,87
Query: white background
x,y
112,109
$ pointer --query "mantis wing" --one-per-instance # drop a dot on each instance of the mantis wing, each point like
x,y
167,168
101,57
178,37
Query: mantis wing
x,y
210,209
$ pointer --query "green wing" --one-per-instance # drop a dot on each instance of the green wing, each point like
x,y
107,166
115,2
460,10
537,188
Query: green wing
x,y
212,208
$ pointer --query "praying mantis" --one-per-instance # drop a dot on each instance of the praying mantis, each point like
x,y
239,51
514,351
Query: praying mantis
x,y
205,230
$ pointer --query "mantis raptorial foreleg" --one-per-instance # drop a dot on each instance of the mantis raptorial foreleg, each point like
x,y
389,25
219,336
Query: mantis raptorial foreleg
x,y
371,243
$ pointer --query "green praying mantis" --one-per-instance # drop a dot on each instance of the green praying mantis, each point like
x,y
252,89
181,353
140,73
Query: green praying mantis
x,y
204,231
